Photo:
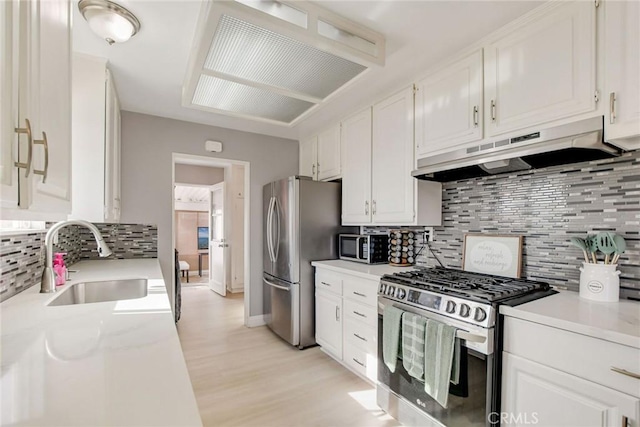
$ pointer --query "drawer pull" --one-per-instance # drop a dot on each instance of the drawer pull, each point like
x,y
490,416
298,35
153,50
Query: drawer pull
x,y
359,314
358,362
359,294
358,336
625,372
326,284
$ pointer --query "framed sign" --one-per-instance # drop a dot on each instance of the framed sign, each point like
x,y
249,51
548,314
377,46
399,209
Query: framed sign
x,y
497,254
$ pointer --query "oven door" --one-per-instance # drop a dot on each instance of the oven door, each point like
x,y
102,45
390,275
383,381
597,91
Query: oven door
x,y
468,403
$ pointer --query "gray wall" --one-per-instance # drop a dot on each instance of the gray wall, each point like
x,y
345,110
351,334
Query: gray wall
x,y
147,145
199,175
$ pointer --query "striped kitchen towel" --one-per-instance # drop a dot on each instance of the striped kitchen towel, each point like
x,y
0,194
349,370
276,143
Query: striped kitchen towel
x,y
413,333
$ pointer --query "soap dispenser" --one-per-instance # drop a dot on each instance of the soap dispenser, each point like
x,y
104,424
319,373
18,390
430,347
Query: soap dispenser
x,y
60,268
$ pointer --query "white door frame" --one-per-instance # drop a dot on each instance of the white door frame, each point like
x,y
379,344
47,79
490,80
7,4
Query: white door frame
x,y
215,162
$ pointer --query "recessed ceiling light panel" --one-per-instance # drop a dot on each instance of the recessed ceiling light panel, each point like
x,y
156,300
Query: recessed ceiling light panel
x,y
277,69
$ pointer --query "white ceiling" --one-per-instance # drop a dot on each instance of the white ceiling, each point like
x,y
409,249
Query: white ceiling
x,y
150,68
189,194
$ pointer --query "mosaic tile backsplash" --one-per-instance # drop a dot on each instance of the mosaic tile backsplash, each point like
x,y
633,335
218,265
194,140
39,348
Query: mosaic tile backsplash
x,y
547,206
22,256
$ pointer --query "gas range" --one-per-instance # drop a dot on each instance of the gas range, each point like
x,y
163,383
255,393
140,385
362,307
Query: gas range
x,y
462,295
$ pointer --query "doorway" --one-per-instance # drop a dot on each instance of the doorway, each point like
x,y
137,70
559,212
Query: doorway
x,y
211,202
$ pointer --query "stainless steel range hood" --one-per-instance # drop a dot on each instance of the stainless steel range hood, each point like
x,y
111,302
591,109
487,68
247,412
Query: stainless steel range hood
x,y
574,142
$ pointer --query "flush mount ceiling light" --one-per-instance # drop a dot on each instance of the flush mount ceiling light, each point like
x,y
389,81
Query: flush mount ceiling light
x,y
109,20
274,61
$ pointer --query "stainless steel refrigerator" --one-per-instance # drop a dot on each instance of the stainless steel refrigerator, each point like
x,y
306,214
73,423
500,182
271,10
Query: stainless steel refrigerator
x,y
301,223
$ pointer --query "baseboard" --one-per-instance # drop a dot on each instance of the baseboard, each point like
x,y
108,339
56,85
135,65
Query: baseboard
x,y
236,290
254,321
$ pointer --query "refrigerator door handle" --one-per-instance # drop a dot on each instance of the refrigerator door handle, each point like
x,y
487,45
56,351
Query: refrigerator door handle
x,y
276,251
269,230
284,288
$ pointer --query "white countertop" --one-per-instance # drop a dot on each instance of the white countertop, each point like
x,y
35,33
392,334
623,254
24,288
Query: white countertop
x,y
110,363
617,322
367,271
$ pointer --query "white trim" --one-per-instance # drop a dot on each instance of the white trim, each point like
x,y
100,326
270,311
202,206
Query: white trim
x,y
190,159
254,321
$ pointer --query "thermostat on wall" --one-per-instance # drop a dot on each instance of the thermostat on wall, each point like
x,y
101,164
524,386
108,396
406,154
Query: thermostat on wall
x,y
214,146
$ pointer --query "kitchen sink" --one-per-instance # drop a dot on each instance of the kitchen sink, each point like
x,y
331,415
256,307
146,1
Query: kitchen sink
x,y
108,290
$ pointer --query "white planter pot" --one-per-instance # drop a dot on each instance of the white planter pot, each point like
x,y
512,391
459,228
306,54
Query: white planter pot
x,y
600,282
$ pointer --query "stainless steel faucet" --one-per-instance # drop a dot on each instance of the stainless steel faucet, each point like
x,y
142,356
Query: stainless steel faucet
x,y
48,276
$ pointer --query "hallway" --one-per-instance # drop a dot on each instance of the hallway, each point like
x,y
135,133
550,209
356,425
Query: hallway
x,y
249,377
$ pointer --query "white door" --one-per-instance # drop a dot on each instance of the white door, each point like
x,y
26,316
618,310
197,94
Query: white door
x,y
622,73
356,174
534,394
328,162
329,322
217,241
542,70
449,106
393,187
308,157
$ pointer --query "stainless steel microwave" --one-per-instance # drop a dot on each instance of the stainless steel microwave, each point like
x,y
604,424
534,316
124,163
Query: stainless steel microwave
x,y
365,248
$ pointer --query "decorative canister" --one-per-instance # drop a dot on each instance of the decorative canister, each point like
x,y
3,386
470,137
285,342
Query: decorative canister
x,y
401,247
600,282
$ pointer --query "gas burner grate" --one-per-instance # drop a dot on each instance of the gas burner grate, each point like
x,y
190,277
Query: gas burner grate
x,y
472,286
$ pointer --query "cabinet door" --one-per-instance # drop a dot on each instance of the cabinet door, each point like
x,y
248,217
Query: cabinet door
x,y
112,153
356,175
9,75
393,187
542,69
308,157
329,154
51,81
449,106
329,322
536,394
622,73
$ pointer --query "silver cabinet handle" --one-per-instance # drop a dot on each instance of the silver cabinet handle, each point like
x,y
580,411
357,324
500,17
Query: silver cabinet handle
x,y
359,314
359,337
45,144
326,284
337,313
612,107
358,362
313,169
366,207
26,130
625,372
475,116
373,207
359,294
493,110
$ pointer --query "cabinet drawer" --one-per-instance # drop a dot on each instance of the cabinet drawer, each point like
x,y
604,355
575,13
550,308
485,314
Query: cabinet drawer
x,y
362,290
361,312
361,361
362,336
580,355
329,281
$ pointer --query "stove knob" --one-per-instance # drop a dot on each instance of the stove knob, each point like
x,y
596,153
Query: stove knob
x,y
451,307
480,315
383,288
464,310
401,293
391,290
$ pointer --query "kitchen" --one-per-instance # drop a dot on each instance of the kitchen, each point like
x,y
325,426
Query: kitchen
x,y
580,196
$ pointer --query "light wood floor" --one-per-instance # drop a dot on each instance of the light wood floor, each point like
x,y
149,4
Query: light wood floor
x,y
250,377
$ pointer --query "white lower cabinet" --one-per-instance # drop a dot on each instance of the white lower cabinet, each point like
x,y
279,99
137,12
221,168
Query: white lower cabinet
x,y
561,378
347,320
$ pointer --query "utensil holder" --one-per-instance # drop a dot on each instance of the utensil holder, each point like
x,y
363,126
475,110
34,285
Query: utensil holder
x,y
600,282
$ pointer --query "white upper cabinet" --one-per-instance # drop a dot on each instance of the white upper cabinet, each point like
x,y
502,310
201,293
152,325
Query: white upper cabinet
x,y
96,141
449,106
308,157
393,187
356,176
622,73
328,163
36,60
542,68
